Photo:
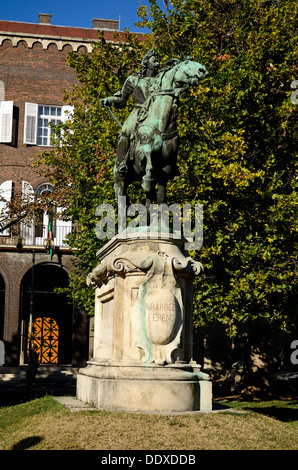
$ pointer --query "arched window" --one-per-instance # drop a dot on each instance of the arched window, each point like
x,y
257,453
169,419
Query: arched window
x,y
45,221
46,224
44,189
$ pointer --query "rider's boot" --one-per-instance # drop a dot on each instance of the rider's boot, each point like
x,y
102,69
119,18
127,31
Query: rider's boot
x,y
122,156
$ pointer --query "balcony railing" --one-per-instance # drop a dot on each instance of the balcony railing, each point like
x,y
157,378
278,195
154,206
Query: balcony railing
x,y
35,235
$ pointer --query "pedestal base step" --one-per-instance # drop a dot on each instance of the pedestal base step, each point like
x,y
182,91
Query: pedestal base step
x,y
146,389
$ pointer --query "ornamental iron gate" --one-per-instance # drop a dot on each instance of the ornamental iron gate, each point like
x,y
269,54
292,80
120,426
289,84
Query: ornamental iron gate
x,y
45,334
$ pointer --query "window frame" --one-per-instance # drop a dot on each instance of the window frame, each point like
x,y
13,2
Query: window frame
x,y
32,121
44,130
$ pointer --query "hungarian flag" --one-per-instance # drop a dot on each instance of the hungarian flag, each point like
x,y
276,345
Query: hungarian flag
x,y
51,238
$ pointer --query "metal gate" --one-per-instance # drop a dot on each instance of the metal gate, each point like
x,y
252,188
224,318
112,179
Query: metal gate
x,y
45,334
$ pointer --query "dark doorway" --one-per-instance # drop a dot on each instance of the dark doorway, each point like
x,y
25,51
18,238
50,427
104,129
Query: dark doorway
x,y
51,314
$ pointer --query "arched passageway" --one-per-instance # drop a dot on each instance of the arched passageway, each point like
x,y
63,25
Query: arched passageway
x,y
51,314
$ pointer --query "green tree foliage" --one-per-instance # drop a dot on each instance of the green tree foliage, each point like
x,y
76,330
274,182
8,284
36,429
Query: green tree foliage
x,y
237,154
238,158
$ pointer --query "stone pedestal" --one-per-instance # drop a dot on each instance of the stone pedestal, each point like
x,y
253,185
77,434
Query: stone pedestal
x,y
143,329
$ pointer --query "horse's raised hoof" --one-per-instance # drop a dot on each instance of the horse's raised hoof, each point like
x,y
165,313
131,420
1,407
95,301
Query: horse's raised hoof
x,y
122,169
147,184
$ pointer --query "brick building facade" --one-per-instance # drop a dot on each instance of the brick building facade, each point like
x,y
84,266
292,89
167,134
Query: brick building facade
x,y
33,74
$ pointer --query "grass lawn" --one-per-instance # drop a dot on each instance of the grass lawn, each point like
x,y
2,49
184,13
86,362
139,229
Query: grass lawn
x,y
44,424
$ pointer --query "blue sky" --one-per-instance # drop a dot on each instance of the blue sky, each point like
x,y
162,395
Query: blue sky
x,y
73,12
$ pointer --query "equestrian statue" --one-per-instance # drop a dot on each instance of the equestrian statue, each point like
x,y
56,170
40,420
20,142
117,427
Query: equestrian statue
x,y
148,143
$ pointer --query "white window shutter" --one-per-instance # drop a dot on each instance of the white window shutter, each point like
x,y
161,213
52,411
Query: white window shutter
x,y
6,115
30,124
27,228
5,193
27,191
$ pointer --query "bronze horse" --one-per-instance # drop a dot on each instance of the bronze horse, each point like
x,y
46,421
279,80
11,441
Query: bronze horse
x,y
154,142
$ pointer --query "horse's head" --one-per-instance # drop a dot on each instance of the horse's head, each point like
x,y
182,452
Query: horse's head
x,y
189,73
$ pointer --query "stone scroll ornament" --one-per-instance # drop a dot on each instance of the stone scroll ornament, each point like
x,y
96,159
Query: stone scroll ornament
x,y
160,303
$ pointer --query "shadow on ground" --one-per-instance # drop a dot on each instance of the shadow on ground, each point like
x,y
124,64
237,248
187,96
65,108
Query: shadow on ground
x,y
18,391
286,415
27,443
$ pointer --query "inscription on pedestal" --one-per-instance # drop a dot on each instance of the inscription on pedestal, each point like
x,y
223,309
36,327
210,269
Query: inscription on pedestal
x,y
158,311
162,314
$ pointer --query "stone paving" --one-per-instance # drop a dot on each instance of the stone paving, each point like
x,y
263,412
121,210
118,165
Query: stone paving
x,y
73,404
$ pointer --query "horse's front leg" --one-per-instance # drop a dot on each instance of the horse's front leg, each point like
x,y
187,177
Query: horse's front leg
x,y
162,178
161,194
150,198
144,154
152,213
120,185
